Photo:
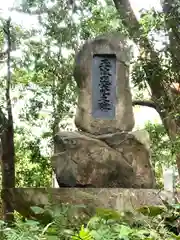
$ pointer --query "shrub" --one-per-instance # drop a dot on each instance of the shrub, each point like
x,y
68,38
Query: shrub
x,y
145,223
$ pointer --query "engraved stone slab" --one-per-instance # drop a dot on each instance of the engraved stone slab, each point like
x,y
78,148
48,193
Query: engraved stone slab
x,y
104,86
87,118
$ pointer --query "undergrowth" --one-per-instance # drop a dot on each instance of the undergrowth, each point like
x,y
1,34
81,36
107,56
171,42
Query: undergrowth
x,y
70,223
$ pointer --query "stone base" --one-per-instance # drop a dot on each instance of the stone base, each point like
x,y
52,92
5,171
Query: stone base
x,y
115,198
118,160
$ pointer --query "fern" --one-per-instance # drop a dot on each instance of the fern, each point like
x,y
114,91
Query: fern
x,y
84,234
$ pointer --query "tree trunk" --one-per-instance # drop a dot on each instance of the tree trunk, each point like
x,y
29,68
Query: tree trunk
x,y
7,137
8,168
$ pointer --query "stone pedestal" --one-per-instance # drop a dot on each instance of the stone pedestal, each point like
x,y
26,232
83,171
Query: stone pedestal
x,y
22,199
111,160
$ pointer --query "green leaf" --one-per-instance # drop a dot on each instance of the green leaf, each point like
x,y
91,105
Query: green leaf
x,y
37,210
32,222
151,211
175,236
84,234
108,214
176,206
125,231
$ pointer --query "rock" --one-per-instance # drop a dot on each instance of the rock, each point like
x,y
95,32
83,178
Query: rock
x,y
108,160
112,43
21,199
143,137
81,160
135,147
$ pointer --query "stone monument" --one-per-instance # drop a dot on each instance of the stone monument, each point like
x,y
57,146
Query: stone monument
x,y
103,152
108,44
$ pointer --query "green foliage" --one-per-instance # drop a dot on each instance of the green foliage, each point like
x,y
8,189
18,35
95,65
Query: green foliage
x,y
151,211
168,216
162,147
163,150
145,223
138,75
32,168
152,21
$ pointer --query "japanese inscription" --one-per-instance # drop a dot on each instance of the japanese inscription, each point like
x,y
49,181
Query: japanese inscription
x,y
104,86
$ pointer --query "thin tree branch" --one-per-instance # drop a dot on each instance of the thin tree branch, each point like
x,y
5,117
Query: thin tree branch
x,y
145,103
29,12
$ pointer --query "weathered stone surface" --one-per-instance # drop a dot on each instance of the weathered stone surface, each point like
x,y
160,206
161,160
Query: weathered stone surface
x,y
109,160
119,199
22,199
135,147
81,160
112,43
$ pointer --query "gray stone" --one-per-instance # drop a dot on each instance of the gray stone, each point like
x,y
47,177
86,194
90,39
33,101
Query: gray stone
x,y
89,162
108,160
22,199
135,147
112,43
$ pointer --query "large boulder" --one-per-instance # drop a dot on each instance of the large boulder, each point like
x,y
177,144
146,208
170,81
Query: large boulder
x,y
109,160
81,161
112,43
